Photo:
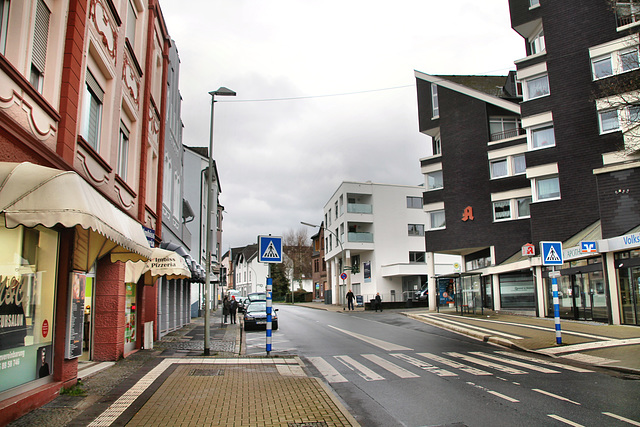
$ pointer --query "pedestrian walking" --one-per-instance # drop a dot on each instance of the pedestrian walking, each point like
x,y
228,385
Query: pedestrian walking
x,y
225,307
378,302
350,298
233,307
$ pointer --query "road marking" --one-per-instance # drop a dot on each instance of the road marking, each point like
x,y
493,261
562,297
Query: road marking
x,y
542,328
626,420
366,373
495,393
502,368
327,371
391,367
423,365
555,396
478,328
546,362
589,346
374,341
564,420
516,363
585,358
454,364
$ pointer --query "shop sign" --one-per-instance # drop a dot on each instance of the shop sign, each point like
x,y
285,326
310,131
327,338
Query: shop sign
x,y
528,250
629,241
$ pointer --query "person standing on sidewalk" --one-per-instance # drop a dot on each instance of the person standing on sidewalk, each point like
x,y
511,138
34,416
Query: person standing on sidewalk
x,y
233,307
378,302
225,307
350,298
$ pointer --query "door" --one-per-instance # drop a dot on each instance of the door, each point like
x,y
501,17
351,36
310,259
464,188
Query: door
x,y
629,280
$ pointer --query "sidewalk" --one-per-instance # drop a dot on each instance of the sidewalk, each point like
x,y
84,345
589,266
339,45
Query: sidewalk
x,y
174,384
608,346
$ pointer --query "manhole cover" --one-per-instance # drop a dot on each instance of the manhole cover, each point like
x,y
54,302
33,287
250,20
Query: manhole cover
x,y
206,372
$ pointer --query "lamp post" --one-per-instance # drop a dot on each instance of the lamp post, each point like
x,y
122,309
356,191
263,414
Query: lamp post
x,y
337,238
223,91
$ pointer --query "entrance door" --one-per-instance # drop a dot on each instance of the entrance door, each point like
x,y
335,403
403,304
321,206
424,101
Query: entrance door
x,y
629,279
582,297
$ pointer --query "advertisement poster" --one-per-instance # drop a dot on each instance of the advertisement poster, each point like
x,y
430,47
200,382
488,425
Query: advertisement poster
x,y
367,272
75,319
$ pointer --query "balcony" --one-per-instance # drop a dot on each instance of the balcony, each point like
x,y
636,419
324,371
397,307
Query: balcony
x,y
509,133
359,208
362,237
627,12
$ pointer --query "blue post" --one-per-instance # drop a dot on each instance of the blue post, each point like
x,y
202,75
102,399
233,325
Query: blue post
x,y
556,309
269,303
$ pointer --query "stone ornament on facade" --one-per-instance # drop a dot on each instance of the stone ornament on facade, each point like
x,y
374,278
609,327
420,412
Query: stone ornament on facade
x,y
105,27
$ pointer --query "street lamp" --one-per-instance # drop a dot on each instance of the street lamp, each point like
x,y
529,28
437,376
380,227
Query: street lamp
x,y
223,91
337,238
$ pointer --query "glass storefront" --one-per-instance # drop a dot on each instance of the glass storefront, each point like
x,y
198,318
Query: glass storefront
x,y
130,335
517,291
581,290
28,272
628,269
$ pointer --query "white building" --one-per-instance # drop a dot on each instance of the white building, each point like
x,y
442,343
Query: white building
x,y
377,232
250,275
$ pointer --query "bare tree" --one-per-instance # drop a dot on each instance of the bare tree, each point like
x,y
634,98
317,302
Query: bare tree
x,y
297,245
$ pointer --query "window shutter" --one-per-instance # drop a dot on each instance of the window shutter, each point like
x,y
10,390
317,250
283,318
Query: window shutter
x,y
94,87
40,36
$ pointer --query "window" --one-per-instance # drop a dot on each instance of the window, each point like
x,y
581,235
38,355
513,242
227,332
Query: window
x,y
416,257
437,220
414,202
546,188
176,195
434,101
629,60
536,44
132,18
533,3
504,210
336,206
633,114
436,145
92,112
614,63
416,229
542,137
627,12
434,180
536,87
509,166
609,121
503,127
602,67
123,152
40,39
4,24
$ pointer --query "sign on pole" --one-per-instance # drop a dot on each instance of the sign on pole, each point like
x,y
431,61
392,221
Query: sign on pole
x,y
552,255
270,249
269,316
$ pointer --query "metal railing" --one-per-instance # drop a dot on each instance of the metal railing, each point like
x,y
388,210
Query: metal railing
x,y
509,133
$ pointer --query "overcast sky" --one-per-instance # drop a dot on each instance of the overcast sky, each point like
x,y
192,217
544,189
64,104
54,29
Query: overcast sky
x,y
326,93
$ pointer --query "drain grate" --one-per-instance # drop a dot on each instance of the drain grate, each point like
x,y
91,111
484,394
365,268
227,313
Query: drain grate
x,y
315,424
206,372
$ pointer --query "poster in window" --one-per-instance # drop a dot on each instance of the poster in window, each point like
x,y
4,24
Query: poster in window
x,y
367,272
75,318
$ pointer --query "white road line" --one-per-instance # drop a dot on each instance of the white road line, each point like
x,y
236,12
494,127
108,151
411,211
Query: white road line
x,y
515,363
327,371
546,362
391,367
587,358
555,396
424,365
589,346
366,373
542,328
564,420
503,396
626,420
478,328
502,368
374,341
454,364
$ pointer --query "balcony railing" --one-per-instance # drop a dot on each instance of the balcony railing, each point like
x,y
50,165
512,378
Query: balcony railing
x,y
359,208
510,133
360,237
627,12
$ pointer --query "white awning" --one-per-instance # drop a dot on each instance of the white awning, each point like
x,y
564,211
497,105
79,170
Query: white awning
x,y
33,195
161,263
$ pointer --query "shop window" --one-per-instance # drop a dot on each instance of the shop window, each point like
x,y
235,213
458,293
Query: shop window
x,y
28,284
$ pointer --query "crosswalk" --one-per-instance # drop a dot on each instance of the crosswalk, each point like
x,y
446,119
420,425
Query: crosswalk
x,y
375,367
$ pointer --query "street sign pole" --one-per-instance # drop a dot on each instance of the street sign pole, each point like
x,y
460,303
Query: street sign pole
x,y
551,253
556,304
269,305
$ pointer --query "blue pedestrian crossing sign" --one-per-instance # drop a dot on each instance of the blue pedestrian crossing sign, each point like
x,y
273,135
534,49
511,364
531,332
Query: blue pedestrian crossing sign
x,y
270,249
551,253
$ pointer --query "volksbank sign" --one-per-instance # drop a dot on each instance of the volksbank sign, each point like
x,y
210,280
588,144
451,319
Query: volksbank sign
x,y
630,241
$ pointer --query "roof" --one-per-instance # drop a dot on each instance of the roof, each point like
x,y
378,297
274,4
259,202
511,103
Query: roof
x,y
491,85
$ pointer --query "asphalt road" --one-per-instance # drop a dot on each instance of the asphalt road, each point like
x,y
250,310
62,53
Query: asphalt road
x,y
390,370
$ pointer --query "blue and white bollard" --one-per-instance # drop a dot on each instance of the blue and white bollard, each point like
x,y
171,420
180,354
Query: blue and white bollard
x,y
269,319
556,308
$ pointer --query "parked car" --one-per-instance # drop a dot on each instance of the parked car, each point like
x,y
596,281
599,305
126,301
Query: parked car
x,y
254,296
255,316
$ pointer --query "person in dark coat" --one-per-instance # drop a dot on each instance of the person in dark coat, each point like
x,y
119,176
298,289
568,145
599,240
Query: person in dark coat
x,y
225,307
233,307
350,298
378,302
